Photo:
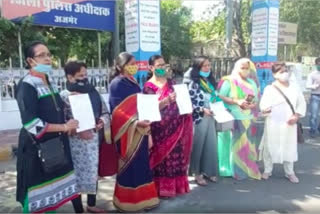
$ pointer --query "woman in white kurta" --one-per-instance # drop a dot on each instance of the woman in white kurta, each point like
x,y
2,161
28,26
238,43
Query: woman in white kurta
x,y
279,140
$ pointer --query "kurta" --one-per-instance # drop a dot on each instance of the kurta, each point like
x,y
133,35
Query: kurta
x,y
279,137
40,105
85,153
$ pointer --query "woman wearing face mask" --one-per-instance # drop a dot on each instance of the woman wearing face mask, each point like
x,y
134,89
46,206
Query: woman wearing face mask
x,y
279,141
240,95
204,160
42,115
135,190
85,145
171,137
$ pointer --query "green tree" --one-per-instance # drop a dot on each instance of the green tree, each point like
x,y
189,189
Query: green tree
x,y
175,24
306,15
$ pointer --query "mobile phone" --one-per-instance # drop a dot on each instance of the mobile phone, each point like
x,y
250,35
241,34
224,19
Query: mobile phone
x,y
249,98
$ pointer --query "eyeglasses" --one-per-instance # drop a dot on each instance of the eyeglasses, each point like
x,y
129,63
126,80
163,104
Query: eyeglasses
x,y
43,55
160,65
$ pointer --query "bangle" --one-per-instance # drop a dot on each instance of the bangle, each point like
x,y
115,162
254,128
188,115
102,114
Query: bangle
x,y
65,127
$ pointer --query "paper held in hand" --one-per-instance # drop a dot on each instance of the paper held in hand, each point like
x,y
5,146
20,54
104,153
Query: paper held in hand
x,y
224,120
220,112
183,99
82,111
148,107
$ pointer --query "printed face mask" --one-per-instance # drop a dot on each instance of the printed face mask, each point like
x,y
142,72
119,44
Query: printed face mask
x,y
131,69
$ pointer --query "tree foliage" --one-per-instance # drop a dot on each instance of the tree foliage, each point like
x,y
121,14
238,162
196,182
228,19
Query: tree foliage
x,y
67,43
306,15
175,23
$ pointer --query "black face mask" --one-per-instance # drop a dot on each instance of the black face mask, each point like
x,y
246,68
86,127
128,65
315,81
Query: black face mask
x,y
84,87
81,86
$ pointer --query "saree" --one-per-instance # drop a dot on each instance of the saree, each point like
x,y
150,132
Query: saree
x,y
242,161
172,143
134,188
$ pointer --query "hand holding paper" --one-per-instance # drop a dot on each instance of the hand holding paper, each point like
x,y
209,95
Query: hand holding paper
x,y
82,111
148,107
183,99
220,113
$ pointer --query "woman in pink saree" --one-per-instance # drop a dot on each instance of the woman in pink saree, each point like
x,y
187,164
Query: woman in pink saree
x,y
171,137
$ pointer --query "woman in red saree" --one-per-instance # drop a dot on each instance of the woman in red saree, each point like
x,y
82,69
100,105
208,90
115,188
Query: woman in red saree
x,y
135,190
171,137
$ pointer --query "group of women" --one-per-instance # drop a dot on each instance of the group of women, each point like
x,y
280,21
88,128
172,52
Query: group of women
x,y
154,159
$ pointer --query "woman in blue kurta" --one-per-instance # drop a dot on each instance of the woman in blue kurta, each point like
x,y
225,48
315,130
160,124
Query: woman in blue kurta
x,y
135,190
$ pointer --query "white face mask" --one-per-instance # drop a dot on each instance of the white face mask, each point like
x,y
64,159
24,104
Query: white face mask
x,y
283,77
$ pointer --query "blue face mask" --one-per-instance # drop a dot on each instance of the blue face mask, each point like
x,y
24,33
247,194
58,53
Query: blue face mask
x,y
42,68
204,74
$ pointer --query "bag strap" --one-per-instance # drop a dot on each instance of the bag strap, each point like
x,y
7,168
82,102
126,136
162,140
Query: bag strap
x,y
285,97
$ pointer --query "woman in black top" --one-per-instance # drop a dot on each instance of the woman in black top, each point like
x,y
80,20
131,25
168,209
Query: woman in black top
x,y
42,116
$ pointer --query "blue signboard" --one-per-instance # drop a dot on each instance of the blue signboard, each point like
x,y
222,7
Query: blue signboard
x,y
94,15
265,20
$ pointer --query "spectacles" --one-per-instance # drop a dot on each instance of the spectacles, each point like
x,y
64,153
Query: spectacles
x,y
43,55
160,65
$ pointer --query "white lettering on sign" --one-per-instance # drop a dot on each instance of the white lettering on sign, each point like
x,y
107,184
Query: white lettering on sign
x,y
49,5
66,19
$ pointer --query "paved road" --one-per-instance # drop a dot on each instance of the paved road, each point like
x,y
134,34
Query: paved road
x,y
272,196
277,195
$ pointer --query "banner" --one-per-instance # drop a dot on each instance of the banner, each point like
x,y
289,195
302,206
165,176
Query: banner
x,y
94,15
265,20
142,25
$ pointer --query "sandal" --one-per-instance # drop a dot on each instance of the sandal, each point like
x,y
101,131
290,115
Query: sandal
x,y
201,181
95,210
293,178
265,176
213,179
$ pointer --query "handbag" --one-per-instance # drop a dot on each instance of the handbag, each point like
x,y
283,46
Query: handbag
x,y
51,152
108,159
299,125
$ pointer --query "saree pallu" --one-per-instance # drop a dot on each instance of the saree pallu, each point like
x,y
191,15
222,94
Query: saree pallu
x,y
224,153
134,189
244,153
172,144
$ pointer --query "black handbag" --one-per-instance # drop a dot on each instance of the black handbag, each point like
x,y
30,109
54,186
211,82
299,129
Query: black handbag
x,y
299,125
51,152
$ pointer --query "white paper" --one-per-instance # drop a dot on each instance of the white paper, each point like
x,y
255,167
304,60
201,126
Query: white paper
x,y
279,113
148,107
82,111
221,115
183,99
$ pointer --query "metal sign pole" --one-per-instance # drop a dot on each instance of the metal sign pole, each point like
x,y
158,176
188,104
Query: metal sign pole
x,y
20,49
229,27
115,39
99,50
